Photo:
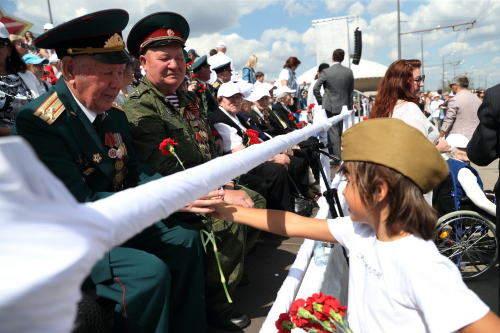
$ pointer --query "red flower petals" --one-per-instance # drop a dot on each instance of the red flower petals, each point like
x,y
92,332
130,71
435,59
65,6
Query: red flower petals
x,y
166,145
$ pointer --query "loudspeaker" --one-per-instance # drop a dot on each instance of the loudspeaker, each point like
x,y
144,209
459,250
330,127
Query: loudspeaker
x,y
358,46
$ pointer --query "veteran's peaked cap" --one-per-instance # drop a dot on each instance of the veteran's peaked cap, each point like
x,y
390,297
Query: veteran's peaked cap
x,y
157,29
97,34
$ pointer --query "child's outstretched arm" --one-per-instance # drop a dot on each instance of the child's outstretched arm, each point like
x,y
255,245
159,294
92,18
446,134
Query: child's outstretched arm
x,y
276,221
489,323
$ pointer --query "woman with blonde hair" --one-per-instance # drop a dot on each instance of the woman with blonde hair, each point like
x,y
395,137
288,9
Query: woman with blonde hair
x,y
250,69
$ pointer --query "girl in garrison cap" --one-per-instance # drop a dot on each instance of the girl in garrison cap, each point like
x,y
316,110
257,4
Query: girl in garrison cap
x,y
398,281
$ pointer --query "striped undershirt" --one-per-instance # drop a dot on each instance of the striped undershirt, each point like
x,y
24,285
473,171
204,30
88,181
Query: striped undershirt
x,y
174,100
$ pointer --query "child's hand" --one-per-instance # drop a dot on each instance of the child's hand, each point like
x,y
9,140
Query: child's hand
x,y
221,212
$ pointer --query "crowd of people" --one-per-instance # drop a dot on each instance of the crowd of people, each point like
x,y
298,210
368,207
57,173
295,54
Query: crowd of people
x,y
97,115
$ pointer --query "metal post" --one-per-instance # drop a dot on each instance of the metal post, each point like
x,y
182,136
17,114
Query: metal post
x,y
422,49
443,73
348,42
399,34
50,12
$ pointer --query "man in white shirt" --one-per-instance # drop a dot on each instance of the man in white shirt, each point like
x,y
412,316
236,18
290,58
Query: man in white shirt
x,y
219,59
436,110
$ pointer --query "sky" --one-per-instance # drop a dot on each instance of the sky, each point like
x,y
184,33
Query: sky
x,y
275,30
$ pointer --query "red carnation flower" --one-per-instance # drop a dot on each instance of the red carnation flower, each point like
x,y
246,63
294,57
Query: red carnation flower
x,y
189,64
299,125
365,118
284,323
194,75
290,116
311,106
253,135
205,88
200,90
298,111
214,133
166,146
200,84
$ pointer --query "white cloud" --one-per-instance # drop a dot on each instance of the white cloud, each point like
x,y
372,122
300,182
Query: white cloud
x,y
272,50
204,17
377,7
298,8
335,6
356,8
496,61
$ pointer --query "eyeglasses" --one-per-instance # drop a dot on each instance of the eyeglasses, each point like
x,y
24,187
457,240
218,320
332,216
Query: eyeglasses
x,y
23,45
4,42
420,78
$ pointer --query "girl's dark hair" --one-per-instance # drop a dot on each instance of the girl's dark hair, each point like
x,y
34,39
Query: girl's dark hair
x,y
292,62
14,62
396,84
408,210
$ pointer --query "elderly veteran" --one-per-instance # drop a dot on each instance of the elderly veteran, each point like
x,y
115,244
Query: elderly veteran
x,y
234,131
204,90
282,109
158,110
156,277
223,75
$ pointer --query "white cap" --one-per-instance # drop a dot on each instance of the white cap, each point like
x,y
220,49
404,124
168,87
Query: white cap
x,y
53,58
457,140
437,95
221,44
245,88
283,89
3,31
258,94
48,26
228,89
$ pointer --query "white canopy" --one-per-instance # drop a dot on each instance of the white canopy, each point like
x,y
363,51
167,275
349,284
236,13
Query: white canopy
x,y
366,69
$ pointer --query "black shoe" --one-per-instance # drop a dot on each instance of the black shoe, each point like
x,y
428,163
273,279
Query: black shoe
x,y
245,281
228,319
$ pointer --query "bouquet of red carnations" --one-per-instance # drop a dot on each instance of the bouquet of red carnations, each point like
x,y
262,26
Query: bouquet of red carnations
x,y
318,314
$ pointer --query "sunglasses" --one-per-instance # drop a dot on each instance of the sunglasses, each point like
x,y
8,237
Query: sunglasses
x,y
23,45
4,42
420,78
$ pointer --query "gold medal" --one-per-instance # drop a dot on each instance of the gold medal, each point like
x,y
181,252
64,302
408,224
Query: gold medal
x,y
119,177
119,165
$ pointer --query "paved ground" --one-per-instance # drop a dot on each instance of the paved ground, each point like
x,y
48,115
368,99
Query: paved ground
x,y
275,254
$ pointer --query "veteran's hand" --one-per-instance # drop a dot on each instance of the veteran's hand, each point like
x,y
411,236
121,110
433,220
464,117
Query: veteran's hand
x,y
442,146
204,205
282,160
238,198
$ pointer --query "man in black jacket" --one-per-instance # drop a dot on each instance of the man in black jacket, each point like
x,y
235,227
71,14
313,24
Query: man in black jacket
x,y
484,146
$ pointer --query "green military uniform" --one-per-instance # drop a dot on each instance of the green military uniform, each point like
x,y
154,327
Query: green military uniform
x,y
207,97
216,86
156,278
152,119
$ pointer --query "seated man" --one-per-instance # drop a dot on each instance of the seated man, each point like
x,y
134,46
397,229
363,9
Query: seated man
x,y
204,90
468,181
158,110
233,129
223,75
156,277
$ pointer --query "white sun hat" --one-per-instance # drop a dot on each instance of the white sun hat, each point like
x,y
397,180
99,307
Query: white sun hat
x,y
228,89
457,140
283,89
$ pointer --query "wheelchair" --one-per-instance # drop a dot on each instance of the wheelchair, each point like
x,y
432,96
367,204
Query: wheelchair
x,y
465,234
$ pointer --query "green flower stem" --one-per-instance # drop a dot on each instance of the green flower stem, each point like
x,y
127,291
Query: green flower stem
x,y
172,150
211,238
210,235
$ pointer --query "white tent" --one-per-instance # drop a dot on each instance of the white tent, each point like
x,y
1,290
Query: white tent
x,y
367,75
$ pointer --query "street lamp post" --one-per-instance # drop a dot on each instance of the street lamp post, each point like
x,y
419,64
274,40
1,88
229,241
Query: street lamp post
x,y
422,49
486,82
399,34
452,53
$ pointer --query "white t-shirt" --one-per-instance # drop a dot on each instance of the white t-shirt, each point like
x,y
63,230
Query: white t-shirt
x,y
403,285
285,75
216,60
435,110
230,137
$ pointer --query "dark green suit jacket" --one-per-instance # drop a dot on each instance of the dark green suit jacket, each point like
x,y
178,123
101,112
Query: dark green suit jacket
x,y
70,147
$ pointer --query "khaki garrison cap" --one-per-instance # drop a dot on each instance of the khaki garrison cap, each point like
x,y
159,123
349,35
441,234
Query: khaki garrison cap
x,y
396,145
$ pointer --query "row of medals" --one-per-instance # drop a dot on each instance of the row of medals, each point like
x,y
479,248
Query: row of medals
x,y
120,167
201,134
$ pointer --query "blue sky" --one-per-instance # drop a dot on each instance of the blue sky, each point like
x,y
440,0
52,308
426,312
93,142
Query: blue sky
x,y
275,30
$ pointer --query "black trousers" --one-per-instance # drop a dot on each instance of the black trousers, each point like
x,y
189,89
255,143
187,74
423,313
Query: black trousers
x,y
278,189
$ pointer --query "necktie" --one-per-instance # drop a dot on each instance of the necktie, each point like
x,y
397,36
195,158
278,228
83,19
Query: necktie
x,y
98,125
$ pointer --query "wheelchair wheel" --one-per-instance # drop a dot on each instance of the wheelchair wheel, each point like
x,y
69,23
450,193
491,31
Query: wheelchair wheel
x,y
468,239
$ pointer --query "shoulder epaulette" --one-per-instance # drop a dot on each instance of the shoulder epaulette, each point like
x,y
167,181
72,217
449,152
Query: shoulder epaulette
x,y
116,106
216,84
50,109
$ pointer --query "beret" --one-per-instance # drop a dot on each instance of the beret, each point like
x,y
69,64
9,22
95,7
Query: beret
x,y
396,145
